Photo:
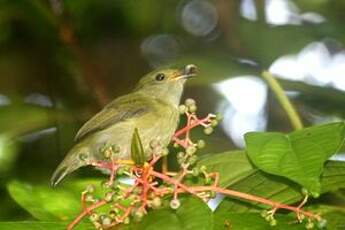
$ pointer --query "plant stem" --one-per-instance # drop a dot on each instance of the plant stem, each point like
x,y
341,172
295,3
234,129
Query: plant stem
x,y
84,213
283,100
246,196
195,189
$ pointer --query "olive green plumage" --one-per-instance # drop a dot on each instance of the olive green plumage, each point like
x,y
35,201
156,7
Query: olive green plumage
x,y
152,108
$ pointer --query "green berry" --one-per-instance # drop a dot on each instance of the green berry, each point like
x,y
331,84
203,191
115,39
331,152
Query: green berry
x,y
263,213
214,123
90,188
192,108
126,220
180,155
176,145
315,194
203,168
190,102
89,198
193,159
301,217
108,153
219,117
309,225
180,161
201,144
191,150
208,130
305,192
106,220
175,204
268,218
273,222
322,224
156,202
109,196
94,217
182,109
195,172
165,152
138,215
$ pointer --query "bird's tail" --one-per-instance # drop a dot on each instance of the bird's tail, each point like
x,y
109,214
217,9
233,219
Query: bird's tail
x,y
74,159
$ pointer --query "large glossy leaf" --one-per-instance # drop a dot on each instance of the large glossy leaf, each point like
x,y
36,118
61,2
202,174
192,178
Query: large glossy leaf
x,y
46,203
233,166
237,173
193,214
280,189
299,155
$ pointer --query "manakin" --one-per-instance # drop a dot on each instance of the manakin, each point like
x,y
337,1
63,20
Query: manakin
x,y
152,108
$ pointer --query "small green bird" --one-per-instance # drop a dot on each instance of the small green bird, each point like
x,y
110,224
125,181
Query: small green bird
x,y
152,108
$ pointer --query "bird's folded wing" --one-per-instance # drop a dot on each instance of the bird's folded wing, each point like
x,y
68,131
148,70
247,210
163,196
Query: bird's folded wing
x,y
121,109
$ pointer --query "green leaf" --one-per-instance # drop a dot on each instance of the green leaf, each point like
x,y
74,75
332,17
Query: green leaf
x,y
13,123
137,149
237,173
35,225
253,221
299,155
232,166
46,203
280,189
193,214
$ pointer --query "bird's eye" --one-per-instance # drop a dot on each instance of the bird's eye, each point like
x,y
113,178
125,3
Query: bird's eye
x,y
160,77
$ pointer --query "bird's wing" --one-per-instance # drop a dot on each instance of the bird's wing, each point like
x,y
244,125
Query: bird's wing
x,y
119,110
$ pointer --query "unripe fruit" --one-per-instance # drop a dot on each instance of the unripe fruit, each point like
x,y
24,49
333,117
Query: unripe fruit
x,y
201,144
190,102
182,109
208,130
175,204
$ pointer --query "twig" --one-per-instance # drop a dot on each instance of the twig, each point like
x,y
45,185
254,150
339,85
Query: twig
x,y
283,100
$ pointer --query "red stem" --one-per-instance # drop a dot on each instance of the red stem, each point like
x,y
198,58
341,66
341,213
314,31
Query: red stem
x,y
196,189
191,126
84,213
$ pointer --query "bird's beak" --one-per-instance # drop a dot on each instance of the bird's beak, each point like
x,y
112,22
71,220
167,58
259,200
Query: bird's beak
x,y
187,72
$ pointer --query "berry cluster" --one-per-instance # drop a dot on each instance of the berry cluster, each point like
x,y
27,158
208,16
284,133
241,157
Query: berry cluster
x,y
125,203
120,203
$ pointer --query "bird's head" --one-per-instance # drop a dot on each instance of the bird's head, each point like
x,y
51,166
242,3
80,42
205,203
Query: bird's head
x,y
166,84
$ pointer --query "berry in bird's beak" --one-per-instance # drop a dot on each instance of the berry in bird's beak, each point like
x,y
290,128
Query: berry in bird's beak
x,y
187,72
190,70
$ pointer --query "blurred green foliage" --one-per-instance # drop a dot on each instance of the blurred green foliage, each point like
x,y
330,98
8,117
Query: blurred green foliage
x,y
80,54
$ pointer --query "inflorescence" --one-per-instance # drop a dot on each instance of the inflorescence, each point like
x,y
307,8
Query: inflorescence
x,y
120,203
